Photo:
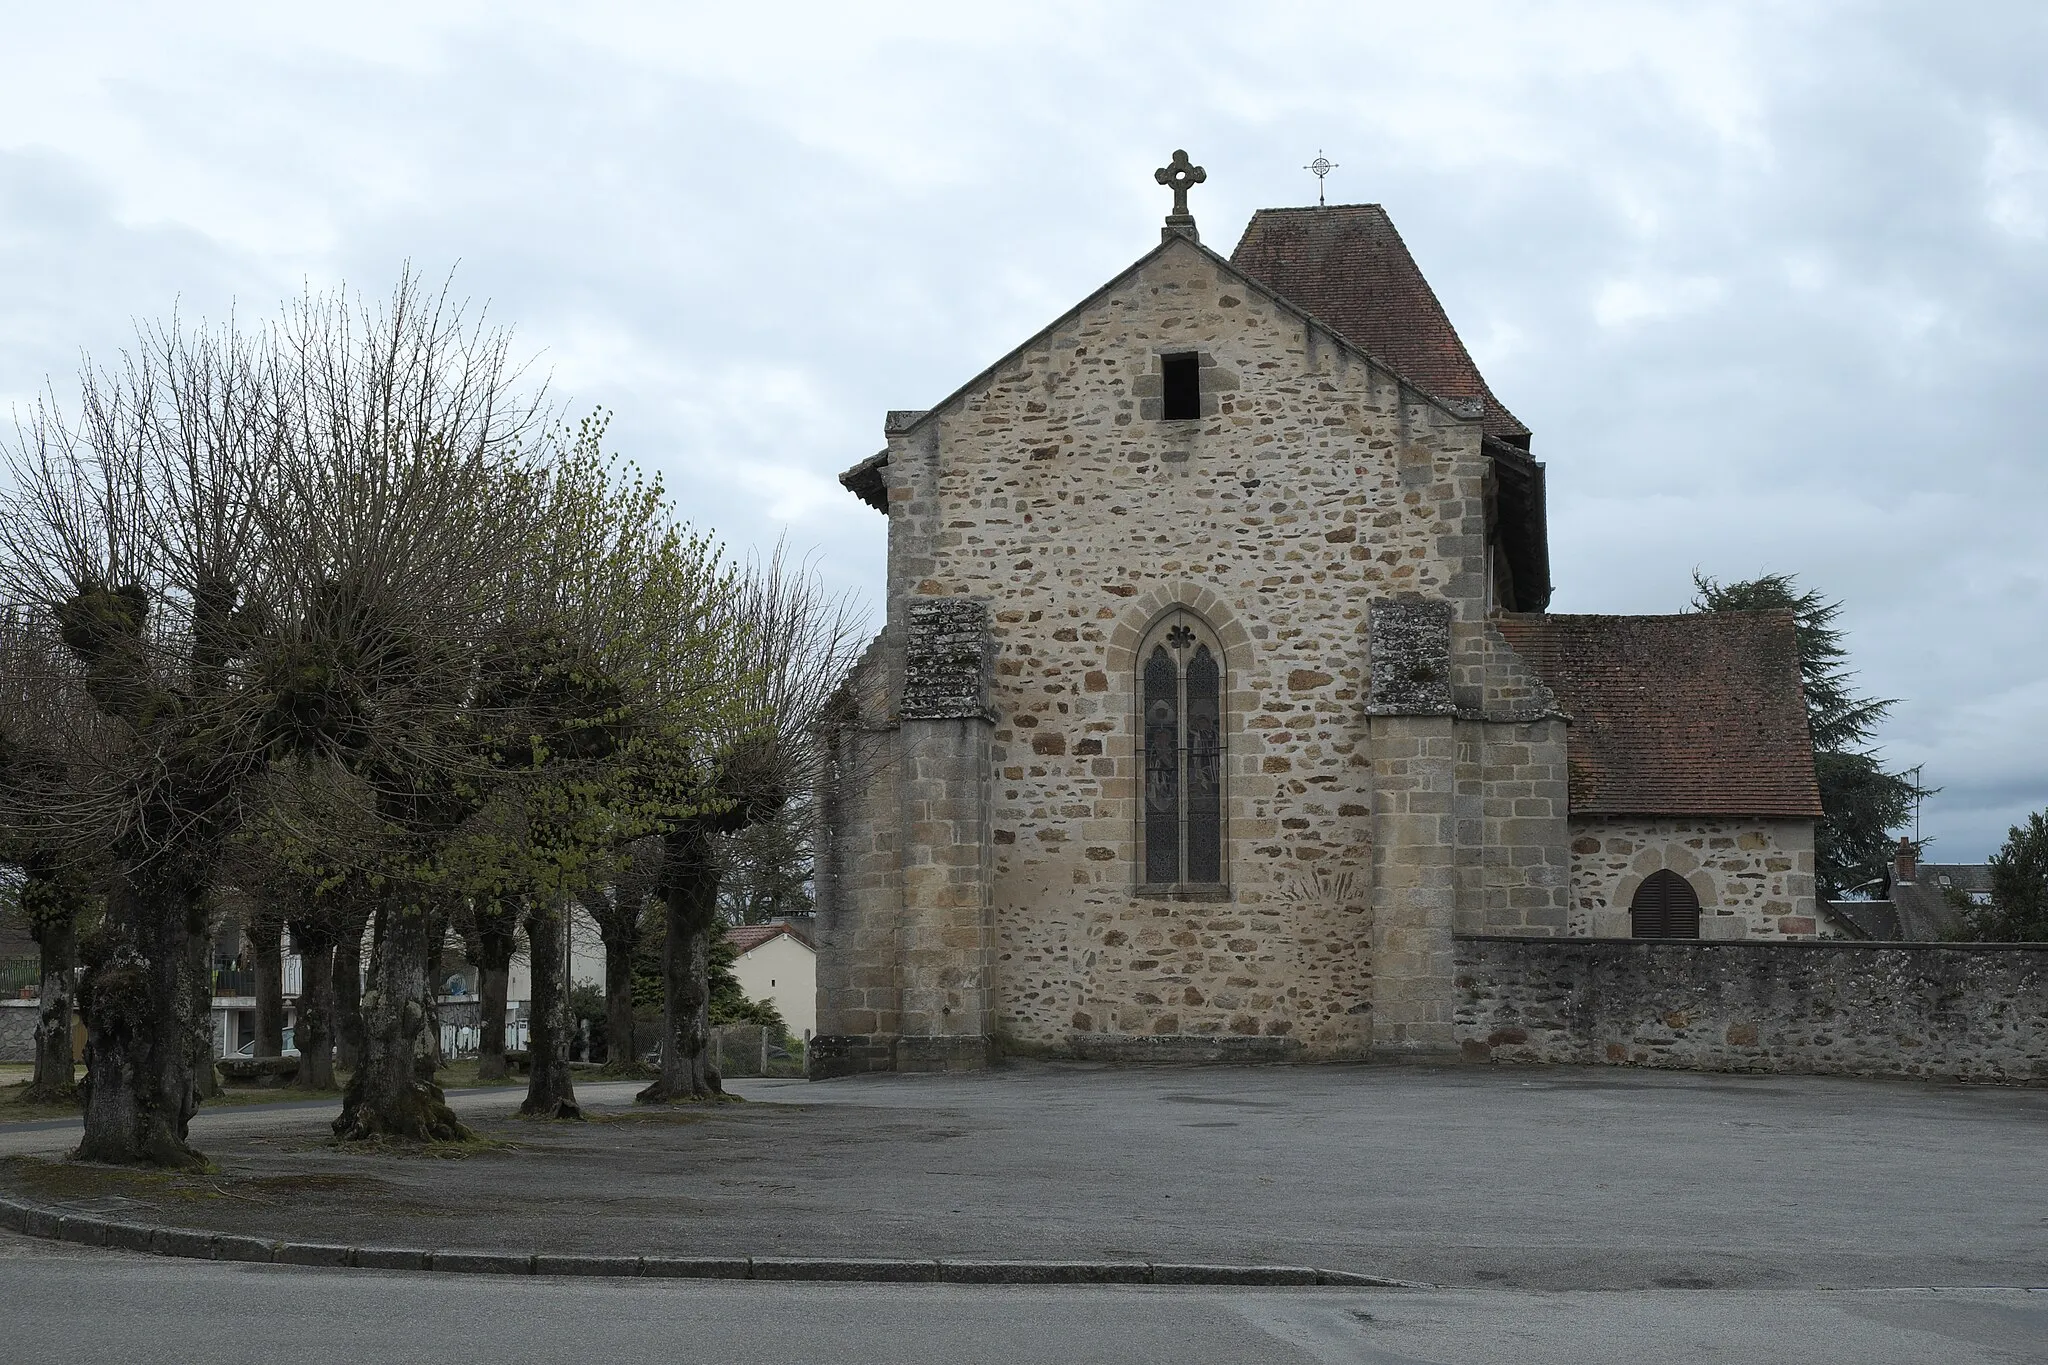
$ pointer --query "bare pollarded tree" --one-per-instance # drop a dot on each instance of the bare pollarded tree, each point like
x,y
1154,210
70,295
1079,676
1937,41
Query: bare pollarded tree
x,y
577,690
130,525
410,505
790,644
255,544
46,738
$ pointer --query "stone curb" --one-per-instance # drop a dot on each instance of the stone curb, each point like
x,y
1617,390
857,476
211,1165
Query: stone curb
x,y
195,1244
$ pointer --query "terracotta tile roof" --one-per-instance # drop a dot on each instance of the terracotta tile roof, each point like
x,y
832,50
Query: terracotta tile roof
x,y
1347,267
1701,714
747,937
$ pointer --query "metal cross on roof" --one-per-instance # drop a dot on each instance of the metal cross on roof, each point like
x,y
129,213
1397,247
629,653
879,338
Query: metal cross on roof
x,y
1322,166
1179,174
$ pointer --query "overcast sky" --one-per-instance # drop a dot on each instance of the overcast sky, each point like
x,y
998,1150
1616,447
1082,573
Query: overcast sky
x,y
1767,281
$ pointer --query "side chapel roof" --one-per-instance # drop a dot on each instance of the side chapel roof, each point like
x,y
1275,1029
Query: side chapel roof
x,y
1699,714
1348,268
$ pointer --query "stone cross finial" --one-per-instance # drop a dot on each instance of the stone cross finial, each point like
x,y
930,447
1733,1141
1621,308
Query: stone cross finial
x,y
1179,174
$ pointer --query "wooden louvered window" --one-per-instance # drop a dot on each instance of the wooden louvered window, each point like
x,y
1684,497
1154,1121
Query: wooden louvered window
x,y
1180,700
1665,906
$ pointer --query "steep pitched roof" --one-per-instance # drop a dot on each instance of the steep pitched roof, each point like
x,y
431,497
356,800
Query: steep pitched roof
x,y
746,937
904,422
1700,714
1349,269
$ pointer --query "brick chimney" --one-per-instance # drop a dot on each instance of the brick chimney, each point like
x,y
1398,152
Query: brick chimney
x,y
1905,863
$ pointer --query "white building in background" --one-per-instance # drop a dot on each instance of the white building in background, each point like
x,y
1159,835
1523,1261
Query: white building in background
x,y
779,964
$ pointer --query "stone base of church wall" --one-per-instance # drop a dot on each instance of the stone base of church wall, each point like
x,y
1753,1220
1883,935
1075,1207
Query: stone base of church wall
x,y
832,1055
1183,1049
1416,1044
945,1052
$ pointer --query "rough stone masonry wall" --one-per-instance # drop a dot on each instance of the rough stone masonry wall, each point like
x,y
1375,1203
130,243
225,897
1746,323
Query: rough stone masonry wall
x,y
859,888
1316,485
18,1020
1955,1011
1514,790
1754,878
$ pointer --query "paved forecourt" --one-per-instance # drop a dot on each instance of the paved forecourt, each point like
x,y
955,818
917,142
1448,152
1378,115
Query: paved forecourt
x,y
1555,1179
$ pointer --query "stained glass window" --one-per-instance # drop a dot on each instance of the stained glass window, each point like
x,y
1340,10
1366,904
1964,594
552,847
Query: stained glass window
x,y
1162,768
1205,772
1181,698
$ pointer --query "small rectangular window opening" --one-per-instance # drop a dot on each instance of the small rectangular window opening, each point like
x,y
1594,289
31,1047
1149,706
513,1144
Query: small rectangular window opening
x,y
1183,389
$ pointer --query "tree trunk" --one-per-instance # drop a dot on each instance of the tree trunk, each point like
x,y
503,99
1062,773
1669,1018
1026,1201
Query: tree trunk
x,y
348,993
199,948
622,1052
496,939
57,942
313,1035
691,886
266,945
493,983
550,1092
392,1091
141,1033
437,949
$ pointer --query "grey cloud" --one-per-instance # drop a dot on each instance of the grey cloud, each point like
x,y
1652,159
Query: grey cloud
x,y
750,234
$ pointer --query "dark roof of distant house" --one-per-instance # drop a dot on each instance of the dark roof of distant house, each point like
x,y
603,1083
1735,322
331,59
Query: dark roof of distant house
x,y
1700,714
1348,268
746,937
1961,876
1866,919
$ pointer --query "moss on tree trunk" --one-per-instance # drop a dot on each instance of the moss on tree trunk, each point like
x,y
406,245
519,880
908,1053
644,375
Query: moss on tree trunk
x,y
392,1092
143,1028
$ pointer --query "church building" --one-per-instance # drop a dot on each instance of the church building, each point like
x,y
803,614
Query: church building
x,y
1218,696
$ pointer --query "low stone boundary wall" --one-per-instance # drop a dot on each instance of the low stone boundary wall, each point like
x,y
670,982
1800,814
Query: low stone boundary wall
x,y
1932,1010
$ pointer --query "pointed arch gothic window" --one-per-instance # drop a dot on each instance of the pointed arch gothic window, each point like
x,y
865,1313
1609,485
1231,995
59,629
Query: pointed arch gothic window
x,y
1180,707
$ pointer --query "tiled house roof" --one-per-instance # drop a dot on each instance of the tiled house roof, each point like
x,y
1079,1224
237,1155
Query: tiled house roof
x,y
1701,714
746,937
1347,267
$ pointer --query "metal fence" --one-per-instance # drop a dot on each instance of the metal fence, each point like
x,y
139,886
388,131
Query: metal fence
x,y
235,981
754,1050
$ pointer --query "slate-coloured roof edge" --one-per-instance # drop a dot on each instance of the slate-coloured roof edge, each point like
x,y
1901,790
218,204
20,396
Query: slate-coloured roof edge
x,y
865,481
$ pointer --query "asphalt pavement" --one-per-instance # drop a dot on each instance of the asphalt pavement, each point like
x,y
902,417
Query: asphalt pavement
x,y
1569,1216
68,1304
1560,1180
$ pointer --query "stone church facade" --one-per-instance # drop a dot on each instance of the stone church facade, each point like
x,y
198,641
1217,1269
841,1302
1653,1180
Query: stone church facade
x,y
1217,694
